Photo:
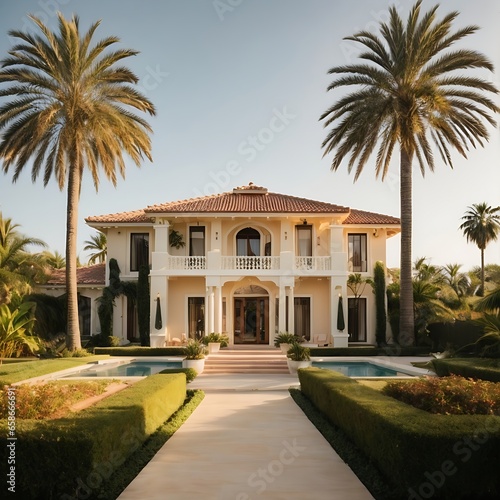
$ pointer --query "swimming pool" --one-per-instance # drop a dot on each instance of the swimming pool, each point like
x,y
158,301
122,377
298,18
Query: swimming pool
x,y
127,368
361,369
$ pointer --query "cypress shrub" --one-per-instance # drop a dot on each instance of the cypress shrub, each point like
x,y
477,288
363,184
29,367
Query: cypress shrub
x,y
379,291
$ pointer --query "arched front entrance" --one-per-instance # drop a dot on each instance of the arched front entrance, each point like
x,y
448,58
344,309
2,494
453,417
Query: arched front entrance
x,y
251,315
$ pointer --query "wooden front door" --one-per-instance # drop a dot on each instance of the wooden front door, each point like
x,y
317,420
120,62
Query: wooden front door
x,y
251,320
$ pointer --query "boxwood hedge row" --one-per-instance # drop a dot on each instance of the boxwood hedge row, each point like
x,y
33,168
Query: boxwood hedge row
x,y
390,350
485,369
71,457
139,351
423,455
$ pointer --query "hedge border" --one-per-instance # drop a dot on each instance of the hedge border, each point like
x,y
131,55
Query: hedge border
x,y
139,351
64,458
485,369
419,449
389,350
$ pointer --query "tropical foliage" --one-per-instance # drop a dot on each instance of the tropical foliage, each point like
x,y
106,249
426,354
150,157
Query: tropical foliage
x,y
18,267
98,244
16,328
71,106
115,288
481,225
411,91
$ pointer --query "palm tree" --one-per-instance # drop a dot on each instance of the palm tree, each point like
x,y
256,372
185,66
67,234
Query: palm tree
x,y
98,243
409,94
18,266
481,226
456,280
71,107
54,259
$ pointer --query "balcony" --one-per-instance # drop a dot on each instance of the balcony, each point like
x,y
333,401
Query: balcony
x,y
243,263
215,263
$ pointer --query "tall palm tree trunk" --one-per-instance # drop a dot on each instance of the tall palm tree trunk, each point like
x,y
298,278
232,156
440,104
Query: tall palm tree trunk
x,y
73,340
481,290
406,318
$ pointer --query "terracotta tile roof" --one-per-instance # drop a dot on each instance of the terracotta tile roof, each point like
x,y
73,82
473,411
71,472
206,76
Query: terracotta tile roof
x,y
245,199
90,275
362,217
134,216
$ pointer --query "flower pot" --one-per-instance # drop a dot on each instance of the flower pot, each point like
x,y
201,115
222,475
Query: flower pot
x,y
213,347
293,366
197,364
284,348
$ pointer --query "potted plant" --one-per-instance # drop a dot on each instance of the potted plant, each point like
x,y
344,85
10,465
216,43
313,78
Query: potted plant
x,y
194,352
176,239
298,356
215,341
285,340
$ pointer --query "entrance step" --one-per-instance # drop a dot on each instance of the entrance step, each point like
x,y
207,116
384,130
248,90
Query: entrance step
x,y
246,361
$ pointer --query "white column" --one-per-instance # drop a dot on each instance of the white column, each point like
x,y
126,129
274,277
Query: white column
x,y
291,311
282,310
218,309
209,310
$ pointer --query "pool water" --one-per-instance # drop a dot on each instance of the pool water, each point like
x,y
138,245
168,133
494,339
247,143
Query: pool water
x,y
131,369
359,368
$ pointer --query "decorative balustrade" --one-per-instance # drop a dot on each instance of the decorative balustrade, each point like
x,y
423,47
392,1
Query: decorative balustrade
x,y
188,262
243,263
250,263
313,263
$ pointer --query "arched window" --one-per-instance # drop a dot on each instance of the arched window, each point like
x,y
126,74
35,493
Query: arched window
x,y
248,243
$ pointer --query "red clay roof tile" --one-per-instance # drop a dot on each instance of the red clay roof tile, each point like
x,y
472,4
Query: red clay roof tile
x,y
249,199
90,275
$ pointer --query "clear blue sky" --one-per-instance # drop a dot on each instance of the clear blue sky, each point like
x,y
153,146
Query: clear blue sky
x,y
218,73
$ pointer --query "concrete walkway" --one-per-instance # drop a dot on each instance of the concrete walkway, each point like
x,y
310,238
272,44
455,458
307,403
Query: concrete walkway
x,y
247,440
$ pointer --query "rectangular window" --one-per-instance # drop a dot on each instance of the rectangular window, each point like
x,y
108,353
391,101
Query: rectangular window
x,y
197,241
357,253
357,320
304,241
302,317
139,250
196,317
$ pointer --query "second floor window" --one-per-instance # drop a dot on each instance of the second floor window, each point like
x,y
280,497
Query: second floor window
x,y
248,242
139,250
304,241
357,253
197,241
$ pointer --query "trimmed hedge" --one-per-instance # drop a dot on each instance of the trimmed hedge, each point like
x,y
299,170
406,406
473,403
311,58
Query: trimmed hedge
x,y
190,373
139,351
71,457
485,369
423,455
390,350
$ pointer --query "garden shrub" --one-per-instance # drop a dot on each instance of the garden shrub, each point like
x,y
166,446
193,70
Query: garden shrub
x,y
139,351
190,373
452,395
71,457
389,350
485,369
421,454
40,401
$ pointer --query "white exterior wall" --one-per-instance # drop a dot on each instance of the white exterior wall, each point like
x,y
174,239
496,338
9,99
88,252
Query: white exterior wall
x,y
324,282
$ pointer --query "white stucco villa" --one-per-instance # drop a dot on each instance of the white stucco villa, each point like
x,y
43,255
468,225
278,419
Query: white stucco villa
x,y
251,263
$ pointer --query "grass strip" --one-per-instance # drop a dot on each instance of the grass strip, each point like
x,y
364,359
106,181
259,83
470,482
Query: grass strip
x,y
16,372
129,470
367,473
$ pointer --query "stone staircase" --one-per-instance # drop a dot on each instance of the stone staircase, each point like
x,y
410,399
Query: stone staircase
x,y
246,359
